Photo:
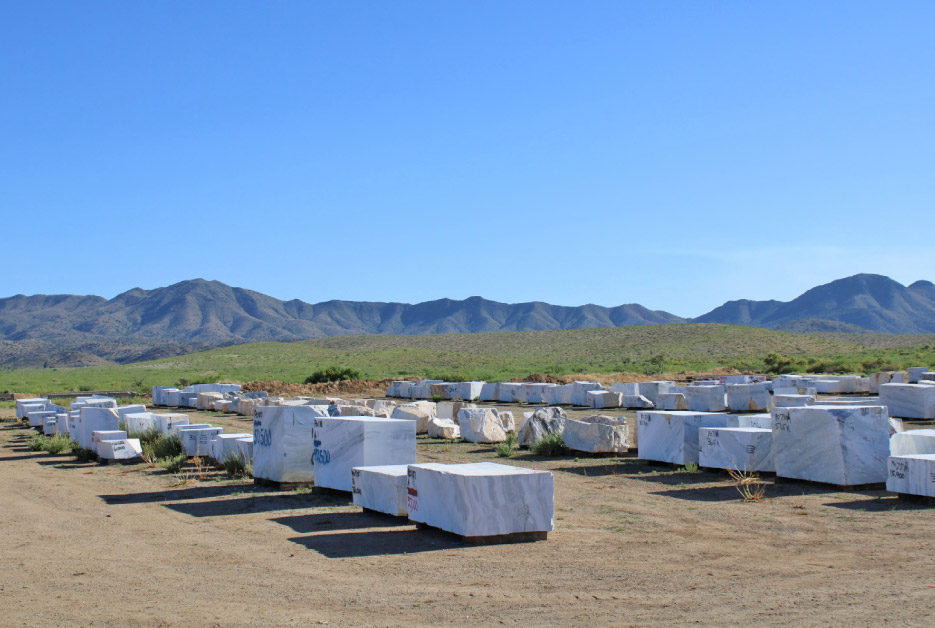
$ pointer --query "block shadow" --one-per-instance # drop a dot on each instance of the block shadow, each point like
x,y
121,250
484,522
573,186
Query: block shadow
x,y
335,521
671,477
888,503
252,504
38,456
194,492
703,494
379,542
628,467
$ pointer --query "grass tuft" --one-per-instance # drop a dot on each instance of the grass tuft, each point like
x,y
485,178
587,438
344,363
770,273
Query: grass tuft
x,y
508,447
550,446
237,466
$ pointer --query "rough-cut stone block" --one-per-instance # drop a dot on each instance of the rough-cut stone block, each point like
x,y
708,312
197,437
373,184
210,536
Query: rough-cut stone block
x,y
197,441
443,428
481,425
651,390
225,445
915,373
92,420
626,389
559,395
344,443
421,412
398,389
283,445
597,434
507,420
579,392
762,421
511,392
790,401
536,393
672,436
636,401
912,474
541,423
843,445
909,401
381,488
600,399
706,398
120,449
98,435
740,448
61,423
205,400
490,392
450,409
749,398
671,401
481,499
912,442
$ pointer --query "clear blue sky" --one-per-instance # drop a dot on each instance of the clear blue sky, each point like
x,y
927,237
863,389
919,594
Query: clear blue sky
x,y
673,154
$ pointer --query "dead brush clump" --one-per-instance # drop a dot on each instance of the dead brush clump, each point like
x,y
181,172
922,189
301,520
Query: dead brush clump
x,y
749,484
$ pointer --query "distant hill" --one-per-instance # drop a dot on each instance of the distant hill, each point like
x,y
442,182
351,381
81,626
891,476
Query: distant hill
x,y
858,303
70,330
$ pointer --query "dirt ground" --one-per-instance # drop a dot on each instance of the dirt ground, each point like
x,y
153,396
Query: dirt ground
x,y
634,545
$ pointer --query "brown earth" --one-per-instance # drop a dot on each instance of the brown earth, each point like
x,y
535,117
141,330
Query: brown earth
x,y
634,545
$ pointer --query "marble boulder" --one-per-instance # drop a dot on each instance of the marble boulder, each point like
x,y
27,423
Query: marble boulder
x,y
443,428
542,423
597,434
481,425
421,412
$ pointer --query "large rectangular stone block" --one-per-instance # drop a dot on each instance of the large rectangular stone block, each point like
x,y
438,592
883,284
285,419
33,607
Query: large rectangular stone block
x,y
842,445
579,392
915,373
749,398
481,499
763,420
793,400
536,393
672,436
559,395
511,392
225,445
98,435
671,401
909,401
706,398
912,442
120,449
283,445
651,390
92,420
490,391
34,401
197,441
911,474
139,422
597,434
381,488
740,448
344,443
37,418
165,422
600,399
245,449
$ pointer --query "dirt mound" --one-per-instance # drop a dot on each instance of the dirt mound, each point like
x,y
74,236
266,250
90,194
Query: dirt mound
x,y
347,388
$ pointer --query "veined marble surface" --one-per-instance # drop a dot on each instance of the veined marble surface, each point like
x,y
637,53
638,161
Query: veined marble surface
x,y
347,442
762,420
283,445
912,442
597,434
912,474
92,420
672,436
481,499
749,398
909,401
843,445
740,448
381,488
706,398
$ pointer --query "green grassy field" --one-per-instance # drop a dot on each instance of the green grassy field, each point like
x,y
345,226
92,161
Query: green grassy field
x,y
501,356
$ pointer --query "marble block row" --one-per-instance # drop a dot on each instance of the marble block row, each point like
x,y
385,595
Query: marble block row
x,y
340,444
842,445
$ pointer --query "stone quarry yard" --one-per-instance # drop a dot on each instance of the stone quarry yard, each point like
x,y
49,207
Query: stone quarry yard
x,y
634,545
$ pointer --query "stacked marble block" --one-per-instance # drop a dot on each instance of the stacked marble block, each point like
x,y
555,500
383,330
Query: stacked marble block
x,y
672,436
911,468
341,444
841,445
114,445
909,401
482,500
283,443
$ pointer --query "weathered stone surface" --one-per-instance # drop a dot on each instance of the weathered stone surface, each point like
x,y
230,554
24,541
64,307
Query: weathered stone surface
x,y
671,401
481,499
600,399
283,445
381,488
420,412
597,434
672,436
543,422
706,398
843,445
749,398
915,373
481,425
507,420
344,443
909,401
120,449
740,448
443,428
38,404
450,409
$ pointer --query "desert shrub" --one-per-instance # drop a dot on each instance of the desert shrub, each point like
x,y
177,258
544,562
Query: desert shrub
x,y
508,447
235,466
436,398
173,464
82,454
690,467
551,445
37,442
161,446
775,364
332,374
58,443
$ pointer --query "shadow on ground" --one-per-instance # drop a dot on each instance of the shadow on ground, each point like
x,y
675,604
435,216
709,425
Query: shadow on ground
x,y
257,503
405,540
335,521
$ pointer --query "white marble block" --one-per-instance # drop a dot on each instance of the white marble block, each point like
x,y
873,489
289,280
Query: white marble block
x,y
225,445
912,442
481,425
283,443
671,401
73,418
205,400
559,395
99,435
651,390
763,420
844,384
37,418
597,434
120,449
511,392
245,449
842,445
706,398
749,398
165,422
421,412
635,402
579,392
51,425
139,422
443,428
381,488
91,419
626,388
481,499
344,443
740,448
909,401
672,436
37,403
197,441
448,409
793,400
912,474
396,389
537,393
490,392
600,399
61,423
915,373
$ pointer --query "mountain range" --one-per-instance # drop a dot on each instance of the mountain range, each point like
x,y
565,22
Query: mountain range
x,y
192,315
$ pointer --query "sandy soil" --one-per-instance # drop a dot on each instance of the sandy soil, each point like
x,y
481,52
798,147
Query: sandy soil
x,y
634,545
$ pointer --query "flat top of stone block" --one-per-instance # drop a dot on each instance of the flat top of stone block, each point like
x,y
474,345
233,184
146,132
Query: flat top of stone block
x,y
917,456
386,469
924,432
685,413
248,439
476,469
752,430
905,386
241,435
196,426
178,415
364,419
137,415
